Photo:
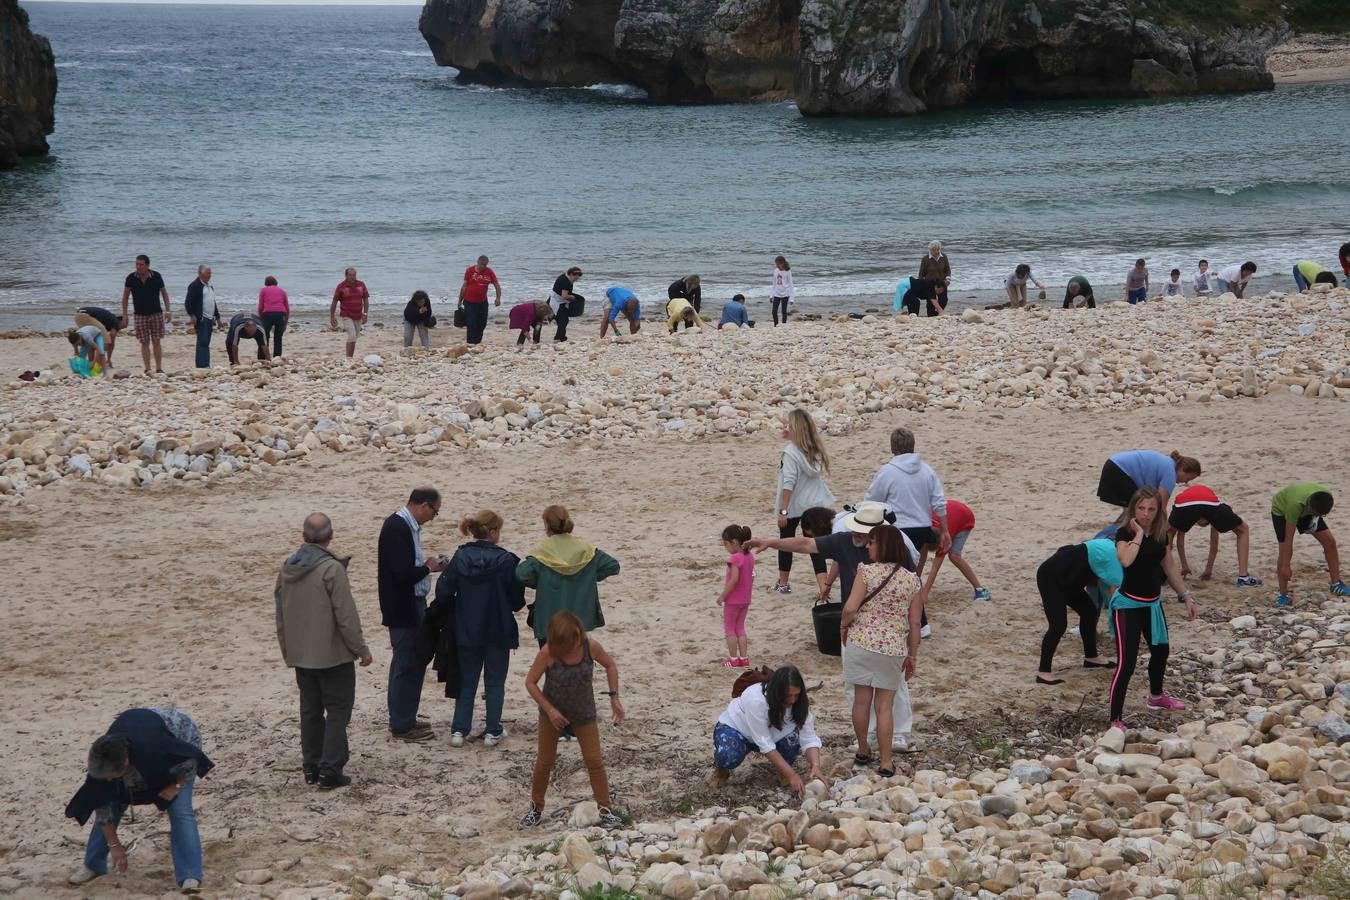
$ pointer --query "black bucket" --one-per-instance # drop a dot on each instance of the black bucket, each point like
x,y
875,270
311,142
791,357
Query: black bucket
x,y
576,306
826,618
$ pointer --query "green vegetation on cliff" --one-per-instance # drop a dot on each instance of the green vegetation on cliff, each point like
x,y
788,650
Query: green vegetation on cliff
x,y
1303,15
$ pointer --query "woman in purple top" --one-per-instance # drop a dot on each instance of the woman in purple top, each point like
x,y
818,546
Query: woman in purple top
x,y
530,317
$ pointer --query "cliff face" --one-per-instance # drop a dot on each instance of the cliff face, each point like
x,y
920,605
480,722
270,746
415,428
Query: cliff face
x,y
27,87
858,57
683,51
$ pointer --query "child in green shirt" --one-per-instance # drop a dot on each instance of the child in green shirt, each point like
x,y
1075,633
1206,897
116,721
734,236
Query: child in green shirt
x,y
1302,508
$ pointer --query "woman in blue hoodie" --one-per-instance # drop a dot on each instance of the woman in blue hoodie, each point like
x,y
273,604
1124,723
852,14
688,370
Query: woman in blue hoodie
x,y
481,587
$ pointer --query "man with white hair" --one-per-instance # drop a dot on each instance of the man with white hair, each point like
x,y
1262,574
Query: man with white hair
x,y
935,267
202,313
319,631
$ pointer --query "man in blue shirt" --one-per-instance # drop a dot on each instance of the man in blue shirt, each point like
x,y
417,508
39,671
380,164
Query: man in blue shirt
x,y
621,300
734,313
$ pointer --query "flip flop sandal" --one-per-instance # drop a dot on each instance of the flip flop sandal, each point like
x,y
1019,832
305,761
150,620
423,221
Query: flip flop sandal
x,y
860,760
886,773
1040,680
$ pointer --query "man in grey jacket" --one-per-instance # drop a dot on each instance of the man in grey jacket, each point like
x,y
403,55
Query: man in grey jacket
x,y
319,631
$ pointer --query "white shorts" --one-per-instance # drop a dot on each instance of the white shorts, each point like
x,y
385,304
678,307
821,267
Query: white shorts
x,y
353,329
870,669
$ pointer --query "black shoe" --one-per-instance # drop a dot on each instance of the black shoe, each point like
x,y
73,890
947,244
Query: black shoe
x,y
329,781
311,776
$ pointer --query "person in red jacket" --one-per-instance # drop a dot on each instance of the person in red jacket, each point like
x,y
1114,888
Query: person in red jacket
x,y
960,523
1198,505
352,300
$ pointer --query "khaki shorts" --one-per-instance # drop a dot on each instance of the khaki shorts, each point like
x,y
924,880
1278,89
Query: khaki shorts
x,y
353,329
875,670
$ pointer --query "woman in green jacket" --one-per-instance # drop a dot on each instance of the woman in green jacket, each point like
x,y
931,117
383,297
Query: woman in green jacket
x,y
564,571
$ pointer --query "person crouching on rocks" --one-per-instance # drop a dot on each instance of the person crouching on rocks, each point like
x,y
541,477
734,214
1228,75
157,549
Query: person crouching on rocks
x,y
566,663
773,718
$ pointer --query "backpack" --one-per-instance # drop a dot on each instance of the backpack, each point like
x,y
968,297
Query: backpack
x,y
749,677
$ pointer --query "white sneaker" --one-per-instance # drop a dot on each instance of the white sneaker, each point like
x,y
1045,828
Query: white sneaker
x,y
926,631
191,886
493,740
457,739
82,875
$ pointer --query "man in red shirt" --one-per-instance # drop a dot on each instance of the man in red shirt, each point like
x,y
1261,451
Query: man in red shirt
x,y
473,294
960,522
353,300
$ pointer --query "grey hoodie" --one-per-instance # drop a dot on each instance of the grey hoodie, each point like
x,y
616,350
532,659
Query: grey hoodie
x,y
318,626
911,489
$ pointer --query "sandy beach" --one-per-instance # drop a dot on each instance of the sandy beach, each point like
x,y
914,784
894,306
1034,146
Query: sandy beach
x,y
161,593
1311,59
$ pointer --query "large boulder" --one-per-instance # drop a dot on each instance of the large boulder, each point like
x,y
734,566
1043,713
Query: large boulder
x,y
27,87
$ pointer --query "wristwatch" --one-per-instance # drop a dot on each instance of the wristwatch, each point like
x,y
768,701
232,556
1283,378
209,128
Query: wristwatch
x,y
782,512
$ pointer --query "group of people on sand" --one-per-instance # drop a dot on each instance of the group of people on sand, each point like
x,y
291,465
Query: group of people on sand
x,y
96,328
463,626
930,286
1124,567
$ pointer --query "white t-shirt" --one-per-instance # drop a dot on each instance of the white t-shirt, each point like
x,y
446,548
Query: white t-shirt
x,y
1201,281
1172,289
1233,274
749,714
782,283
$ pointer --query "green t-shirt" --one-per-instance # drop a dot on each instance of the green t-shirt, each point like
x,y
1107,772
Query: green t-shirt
x,y
1309,270
1291,503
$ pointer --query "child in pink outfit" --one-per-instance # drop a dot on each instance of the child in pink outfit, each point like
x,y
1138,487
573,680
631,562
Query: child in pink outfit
x,y
735,596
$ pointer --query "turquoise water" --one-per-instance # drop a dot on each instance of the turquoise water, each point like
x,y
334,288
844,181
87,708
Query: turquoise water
x,y
295,141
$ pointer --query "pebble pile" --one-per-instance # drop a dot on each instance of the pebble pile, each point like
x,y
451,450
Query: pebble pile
x,y
1247,796
209,424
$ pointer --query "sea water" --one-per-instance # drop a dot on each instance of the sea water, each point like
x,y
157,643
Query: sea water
x,y
295,141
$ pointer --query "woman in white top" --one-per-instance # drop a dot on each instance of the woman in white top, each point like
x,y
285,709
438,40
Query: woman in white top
x,y
782,291
801,485
773,718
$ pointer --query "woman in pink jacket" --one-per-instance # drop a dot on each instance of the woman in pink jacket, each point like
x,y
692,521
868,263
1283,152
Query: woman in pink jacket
x,y
275,311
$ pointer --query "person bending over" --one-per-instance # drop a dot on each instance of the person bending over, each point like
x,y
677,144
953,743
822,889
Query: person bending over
x,y
735,313
1302,509
1198,505
621,301
1063,581
1079,293
245,325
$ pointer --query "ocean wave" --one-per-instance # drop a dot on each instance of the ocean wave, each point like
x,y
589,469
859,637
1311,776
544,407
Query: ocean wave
x,y
1265,190
622,91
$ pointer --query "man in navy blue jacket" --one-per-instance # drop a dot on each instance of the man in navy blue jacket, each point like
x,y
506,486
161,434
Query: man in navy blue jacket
x,y
203,316
404,580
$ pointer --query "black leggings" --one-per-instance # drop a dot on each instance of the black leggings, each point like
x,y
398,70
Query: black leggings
x,y
777,302
1057,600
274,326
785,558
1132,624
534,331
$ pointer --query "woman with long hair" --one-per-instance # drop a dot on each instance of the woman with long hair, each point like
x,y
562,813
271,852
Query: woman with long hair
x,y
1136,607
480,585
801,485
773,718
879,632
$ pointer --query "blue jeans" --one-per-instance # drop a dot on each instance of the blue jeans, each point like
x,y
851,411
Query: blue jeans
x,y
205,328
185,845
1300,281
1138,295
491,663
405,679
730,747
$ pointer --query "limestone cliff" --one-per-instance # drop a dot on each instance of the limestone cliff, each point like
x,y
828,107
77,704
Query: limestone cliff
x,y
859,57
27,87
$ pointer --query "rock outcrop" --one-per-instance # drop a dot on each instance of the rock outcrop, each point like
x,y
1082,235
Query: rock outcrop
x,y
856,57
27,87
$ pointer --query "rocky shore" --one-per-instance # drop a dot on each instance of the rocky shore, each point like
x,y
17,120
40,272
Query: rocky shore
x,y
205,425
